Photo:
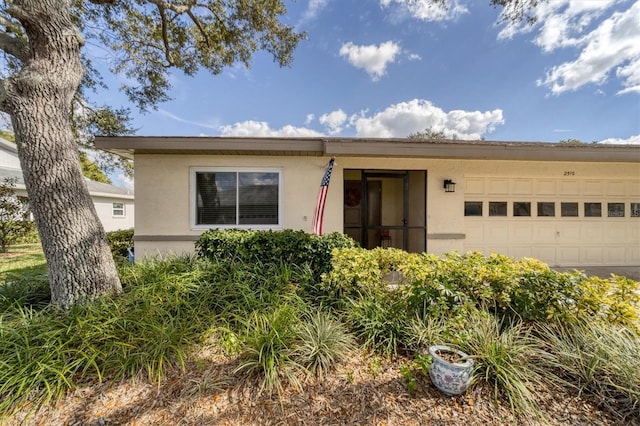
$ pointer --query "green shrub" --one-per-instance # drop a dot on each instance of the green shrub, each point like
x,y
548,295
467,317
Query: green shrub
x,y
379,322
119,242
269,247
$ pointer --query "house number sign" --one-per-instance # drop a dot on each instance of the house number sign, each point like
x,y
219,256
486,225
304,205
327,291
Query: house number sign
x,y
569,173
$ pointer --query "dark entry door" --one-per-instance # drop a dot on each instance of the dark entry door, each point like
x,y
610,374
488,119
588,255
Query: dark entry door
x,y
386,208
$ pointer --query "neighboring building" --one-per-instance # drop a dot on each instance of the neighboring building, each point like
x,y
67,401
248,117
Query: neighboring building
x,y
114,205
568,205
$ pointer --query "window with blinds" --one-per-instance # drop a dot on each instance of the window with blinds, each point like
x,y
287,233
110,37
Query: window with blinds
x,y
237,198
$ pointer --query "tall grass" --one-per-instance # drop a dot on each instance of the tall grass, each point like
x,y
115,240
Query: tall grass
x,y
507,357
162,312
598,359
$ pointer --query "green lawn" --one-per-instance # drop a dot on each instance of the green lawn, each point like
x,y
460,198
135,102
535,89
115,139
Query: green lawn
x,y
22,258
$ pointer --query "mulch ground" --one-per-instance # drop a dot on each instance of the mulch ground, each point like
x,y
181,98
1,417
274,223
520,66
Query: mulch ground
x,y
365,390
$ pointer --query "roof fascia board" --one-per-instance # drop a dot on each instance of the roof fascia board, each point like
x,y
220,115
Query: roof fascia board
x,y
484,151
475,150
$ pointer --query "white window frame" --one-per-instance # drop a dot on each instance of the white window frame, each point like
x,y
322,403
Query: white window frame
x,y
193,210
114,209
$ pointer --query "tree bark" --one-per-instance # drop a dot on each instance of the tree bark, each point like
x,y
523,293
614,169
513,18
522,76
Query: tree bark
x,y
38,99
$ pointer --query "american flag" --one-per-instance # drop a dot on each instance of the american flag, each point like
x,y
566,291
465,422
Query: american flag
x,y
322,197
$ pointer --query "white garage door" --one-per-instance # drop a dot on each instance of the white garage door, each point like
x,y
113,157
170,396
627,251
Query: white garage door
x,y
564,222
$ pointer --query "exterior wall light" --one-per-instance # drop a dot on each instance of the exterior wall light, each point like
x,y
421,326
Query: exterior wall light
x,y
449,185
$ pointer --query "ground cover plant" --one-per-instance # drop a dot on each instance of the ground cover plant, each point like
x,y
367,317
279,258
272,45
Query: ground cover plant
x,y
286,325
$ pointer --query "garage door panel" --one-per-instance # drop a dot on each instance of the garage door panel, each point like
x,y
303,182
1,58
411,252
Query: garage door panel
x,y
615,255
496,232
545,187
616,232
544,232
520,252
474,232
474,186
592,231
592,187
546,254
522,231
632,255
633,232
616,188
569,187
498,186
569,232
522,187
569,255
591,256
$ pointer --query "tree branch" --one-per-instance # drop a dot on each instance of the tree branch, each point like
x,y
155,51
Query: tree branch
x,y
14,46
165,37
198,24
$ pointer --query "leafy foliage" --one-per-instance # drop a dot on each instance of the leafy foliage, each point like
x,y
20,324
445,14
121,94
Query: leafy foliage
x,y
14,215
268,247
91,170
281,333
120,242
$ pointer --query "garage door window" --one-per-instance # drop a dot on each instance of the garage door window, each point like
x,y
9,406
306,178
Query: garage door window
x,y
473,208
592,209
615,210
635,209
547,209
521,208
497,208
569,209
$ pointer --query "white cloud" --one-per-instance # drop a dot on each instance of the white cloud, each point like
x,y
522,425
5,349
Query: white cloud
x,y
632,140
404,118
414,57
123,181
428,10
309,119
373,59
333,121
313,10
262,128
612,44
172,116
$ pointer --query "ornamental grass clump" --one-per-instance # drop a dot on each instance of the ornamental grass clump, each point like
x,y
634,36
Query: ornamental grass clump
x,y
322,342
507,357
599,359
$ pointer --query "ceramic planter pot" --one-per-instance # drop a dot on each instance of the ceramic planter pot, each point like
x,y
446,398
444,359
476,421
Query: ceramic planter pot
x,y
452,378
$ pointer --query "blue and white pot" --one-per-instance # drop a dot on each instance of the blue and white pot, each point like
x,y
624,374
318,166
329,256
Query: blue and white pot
x,y
452,378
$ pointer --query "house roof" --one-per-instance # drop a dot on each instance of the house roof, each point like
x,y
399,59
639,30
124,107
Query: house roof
x,y
128,146
96,189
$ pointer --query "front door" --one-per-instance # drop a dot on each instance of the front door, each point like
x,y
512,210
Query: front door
x,y
386,208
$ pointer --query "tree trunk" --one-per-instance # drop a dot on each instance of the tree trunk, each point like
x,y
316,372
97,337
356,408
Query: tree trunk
x,y
38,99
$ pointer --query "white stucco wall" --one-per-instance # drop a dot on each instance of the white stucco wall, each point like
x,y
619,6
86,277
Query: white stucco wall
x,y
163,191
104,208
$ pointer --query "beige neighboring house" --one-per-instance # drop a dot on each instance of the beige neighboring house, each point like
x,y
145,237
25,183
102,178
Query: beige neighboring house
x,y
568,205
114,205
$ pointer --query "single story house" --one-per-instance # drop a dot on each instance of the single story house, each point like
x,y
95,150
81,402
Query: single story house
x,y
114,205
568,205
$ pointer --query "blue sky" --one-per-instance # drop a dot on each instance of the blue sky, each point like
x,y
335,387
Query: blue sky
x,y
387,68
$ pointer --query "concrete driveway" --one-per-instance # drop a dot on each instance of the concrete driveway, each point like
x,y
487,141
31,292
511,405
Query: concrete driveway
x,y
632,272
